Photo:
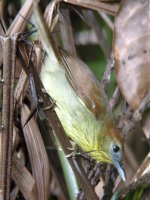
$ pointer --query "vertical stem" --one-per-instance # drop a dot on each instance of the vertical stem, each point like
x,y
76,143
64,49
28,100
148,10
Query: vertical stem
x,y
5,112
9,54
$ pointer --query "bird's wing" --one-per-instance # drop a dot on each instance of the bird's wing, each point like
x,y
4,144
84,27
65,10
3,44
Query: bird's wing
x,y
83,81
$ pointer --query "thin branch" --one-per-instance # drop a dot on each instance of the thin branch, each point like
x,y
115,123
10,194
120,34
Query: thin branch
x,y
145,105
106,18
115,98
106,77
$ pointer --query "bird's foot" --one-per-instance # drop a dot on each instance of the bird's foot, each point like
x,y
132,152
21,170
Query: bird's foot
x,y
74,150
76,153
72,155
79,154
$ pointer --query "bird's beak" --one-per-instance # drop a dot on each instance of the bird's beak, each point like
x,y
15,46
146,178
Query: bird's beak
x,y
120,169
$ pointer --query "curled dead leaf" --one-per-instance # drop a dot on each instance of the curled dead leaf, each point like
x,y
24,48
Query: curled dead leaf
x,y
132,50
37,153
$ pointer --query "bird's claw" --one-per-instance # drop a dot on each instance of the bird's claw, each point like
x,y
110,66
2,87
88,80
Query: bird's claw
x,y
74,152
72,155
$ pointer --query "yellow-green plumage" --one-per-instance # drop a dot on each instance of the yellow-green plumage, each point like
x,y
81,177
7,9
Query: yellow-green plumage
x,y
81,106
78,121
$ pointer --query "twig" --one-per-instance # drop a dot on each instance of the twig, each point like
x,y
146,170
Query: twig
x,y
106,18
145,104
129,118
125,123
115,98
106,77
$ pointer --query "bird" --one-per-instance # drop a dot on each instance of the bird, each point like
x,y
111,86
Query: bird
x,y
82,106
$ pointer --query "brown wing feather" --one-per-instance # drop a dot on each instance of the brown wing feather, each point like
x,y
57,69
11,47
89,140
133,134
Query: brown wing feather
x,y
85,84
89,90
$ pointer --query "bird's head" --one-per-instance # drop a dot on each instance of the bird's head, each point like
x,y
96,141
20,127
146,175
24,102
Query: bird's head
x,y
114,148
111,151
116,155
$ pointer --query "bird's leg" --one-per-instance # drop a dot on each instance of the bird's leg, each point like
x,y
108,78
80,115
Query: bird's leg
x,y
74,150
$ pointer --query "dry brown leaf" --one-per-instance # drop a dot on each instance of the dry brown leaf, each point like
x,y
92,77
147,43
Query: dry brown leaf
x,y
20,87
39,54
37,153
51,14
110,8
132,50
20,22
23,179
132,53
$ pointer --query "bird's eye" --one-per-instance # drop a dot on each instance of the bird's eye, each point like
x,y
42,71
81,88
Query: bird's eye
x,y
116,148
